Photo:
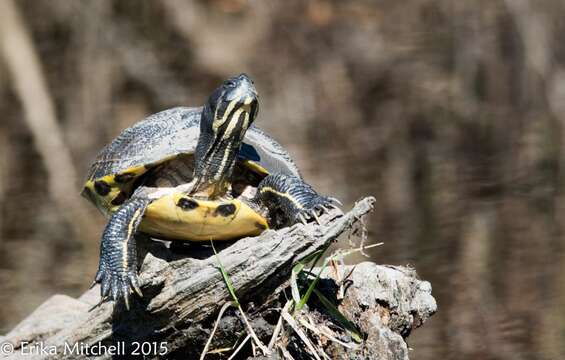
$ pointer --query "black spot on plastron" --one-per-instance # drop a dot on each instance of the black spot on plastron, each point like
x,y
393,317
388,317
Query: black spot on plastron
x,y
225,210
120,199
187,204
260,226
124,178
102,188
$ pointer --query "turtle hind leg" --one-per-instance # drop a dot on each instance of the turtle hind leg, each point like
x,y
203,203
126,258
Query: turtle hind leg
x,y
292,197
117,271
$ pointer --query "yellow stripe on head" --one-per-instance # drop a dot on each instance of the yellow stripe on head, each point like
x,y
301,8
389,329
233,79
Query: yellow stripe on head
x,y
233,122
219,122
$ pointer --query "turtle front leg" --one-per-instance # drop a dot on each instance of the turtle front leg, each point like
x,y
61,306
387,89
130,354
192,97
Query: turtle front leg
x,y
295,198
117,271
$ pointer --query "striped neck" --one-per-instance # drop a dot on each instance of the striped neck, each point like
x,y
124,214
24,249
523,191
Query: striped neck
x,y
216,154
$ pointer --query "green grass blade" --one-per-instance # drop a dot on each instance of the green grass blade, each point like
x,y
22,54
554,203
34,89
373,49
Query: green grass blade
x,y
318,256
339,317
315,256
296,269
312,285
226,277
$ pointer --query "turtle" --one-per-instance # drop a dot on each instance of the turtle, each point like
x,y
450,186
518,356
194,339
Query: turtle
x,y
194,174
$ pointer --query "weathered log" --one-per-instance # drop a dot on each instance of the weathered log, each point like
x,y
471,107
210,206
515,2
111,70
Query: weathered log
x,y
184,291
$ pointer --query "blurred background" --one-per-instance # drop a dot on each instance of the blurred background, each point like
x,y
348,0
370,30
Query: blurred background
x,y
450,112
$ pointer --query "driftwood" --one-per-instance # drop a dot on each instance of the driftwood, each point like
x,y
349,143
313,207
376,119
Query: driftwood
x,y
184,292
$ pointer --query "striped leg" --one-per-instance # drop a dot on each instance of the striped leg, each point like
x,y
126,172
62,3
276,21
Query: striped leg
x,y
295,198
117,271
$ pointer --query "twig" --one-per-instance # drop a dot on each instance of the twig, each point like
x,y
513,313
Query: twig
x,y
252,332
253,349
285,352
279,326
323,332
240,346
294,325
222,310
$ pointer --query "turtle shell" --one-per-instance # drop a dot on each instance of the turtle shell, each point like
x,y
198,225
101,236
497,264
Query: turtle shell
x,y
160,138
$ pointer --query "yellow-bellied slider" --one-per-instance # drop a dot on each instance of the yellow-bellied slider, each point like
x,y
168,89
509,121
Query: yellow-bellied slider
x,y
193,174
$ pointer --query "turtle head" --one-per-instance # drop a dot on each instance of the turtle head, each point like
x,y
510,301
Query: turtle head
x,y
232,106
227,115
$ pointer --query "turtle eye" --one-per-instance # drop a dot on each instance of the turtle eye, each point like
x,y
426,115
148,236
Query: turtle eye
x,y
230,84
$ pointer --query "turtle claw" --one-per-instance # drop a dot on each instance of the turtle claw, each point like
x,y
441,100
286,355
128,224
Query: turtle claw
x,y
96,305
334,201
135,285
326,208
328,204
105,289
118,287
316,207
99,275
315,216
331,207
115,290
126,293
